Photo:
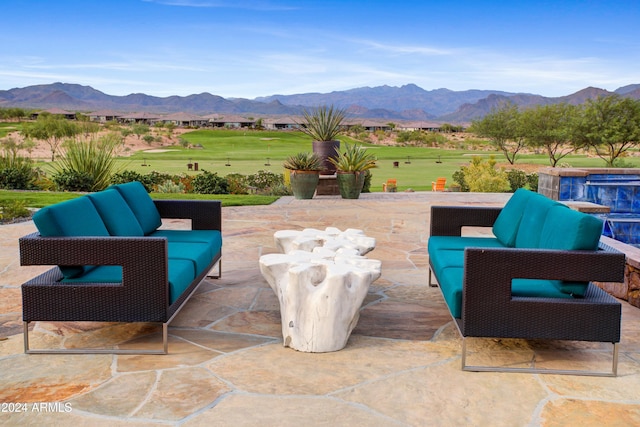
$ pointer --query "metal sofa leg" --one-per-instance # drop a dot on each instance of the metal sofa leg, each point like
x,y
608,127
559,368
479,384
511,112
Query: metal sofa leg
x,y
165,346
612,373
219,275
431,284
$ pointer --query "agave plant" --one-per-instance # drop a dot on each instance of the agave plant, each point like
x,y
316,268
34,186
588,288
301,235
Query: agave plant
x,y
322,123
354,158
303,162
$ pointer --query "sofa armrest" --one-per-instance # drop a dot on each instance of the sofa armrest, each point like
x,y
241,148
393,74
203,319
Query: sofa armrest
x,y
449,220
144,279
204,214
489,310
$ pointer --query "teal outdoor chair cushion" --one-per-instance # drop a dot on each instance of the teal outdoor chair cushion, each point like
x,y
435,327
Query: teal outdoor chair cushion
x,y
141,204
72,218
505,228
213,238
116,213
181,273
567,229
533,218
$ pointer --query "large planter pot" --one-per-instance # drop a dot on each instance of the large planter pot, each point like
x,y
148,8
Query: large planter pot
x,y
326,150
304,183
350,184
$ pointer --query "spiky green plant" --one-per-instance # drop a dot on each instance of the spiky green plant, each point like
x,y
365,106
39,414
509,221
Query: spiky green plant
x,y
322,123
95,158
354,158
303,162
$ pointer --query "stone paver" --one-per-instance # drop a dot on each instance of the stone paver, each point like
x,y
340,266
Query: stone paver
x,y
227,365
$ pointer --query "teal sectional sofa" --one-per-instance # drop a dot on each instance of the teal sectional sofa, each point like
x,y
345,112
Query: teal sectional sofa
x,y
114,263
532,279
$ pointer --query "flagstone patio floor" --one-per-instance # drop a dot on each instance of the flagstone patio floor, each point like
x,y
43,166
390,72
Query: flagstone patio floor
x,y
227,366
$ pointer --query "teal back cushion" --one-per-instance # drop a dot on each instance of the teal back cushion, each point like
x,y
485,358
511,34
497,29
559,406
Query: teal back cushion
x,y
505,228
570,230
141,205
533,219
76,217
116,214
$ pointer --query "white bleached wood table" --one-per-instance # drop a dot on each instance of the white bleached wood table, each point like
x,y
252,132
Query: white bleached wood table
x,y
321,280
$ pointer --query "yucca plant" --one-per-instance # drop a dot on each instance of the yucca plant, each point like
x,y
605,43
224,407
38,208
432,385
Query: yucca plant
x,y
94,158
354,158
303,162
322,123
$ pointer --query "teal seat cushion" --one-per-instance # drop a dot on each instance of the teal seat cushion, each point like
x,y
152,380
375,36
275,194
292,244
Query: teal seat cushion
x,y
567,229
198,253
211,237
72,218
437,243
116,214
181,275
539,288
141,205
533,219
450,282
505,228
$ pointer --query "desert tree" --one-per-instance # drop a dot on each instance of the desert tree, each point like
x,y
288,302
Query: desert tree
x,y
610,125
502,126
51,129
549,127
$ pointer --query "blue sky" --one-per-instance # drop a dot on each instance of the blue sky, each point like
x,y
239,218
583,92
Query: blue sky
x,y
251,48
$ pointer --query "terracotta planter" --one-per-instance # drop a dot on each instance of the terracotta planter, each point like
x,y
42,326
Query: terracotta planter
x,y
326,150
304,183
350,184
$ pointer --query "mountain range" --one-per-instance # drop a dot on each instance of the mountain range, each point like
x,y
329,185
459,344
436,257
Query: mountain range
x,y
408,102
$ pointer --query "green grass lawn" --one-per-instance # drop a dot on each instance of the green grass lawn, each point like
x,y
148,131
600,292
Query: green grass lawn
x,y
246,152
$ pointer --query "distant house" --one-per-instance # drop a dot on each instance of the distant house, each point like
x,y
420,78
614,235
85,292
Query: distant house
x,y
69,115
426,126
281,123
145,118
103,116
229,121
368,125
184,120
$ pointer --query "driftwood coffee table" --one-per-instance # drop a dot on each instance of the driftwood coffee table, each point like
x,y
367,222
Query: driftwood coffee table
x,y
321,280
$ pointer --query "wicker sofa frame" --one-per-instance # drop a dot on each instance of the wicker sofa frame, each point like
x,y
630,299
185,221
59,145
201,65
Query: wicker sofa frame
x,y
490,311
142,296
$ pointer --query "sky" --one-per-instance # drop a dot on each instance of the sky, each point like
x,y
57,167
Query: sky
x,y
253,48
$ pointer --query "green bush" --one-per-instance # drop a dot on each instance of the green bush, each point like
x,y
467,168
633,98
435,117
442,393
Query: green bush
x,y
95,158
12,209
210,183
265,180
458,178
237,183
532,180
483,177
73,180
16,172
517,179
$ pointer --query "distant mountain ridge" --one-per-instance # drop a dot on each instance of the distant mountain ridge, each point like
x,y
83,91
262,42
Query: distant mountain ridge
x,y
408,102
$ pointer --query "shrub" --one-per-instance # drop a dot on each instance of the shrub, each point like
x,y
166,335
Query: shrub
x,y
73,180
12,209
517,179
94,158
264,180
170,187
210,183
532,180
483,177
237,183
458,178
16,172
